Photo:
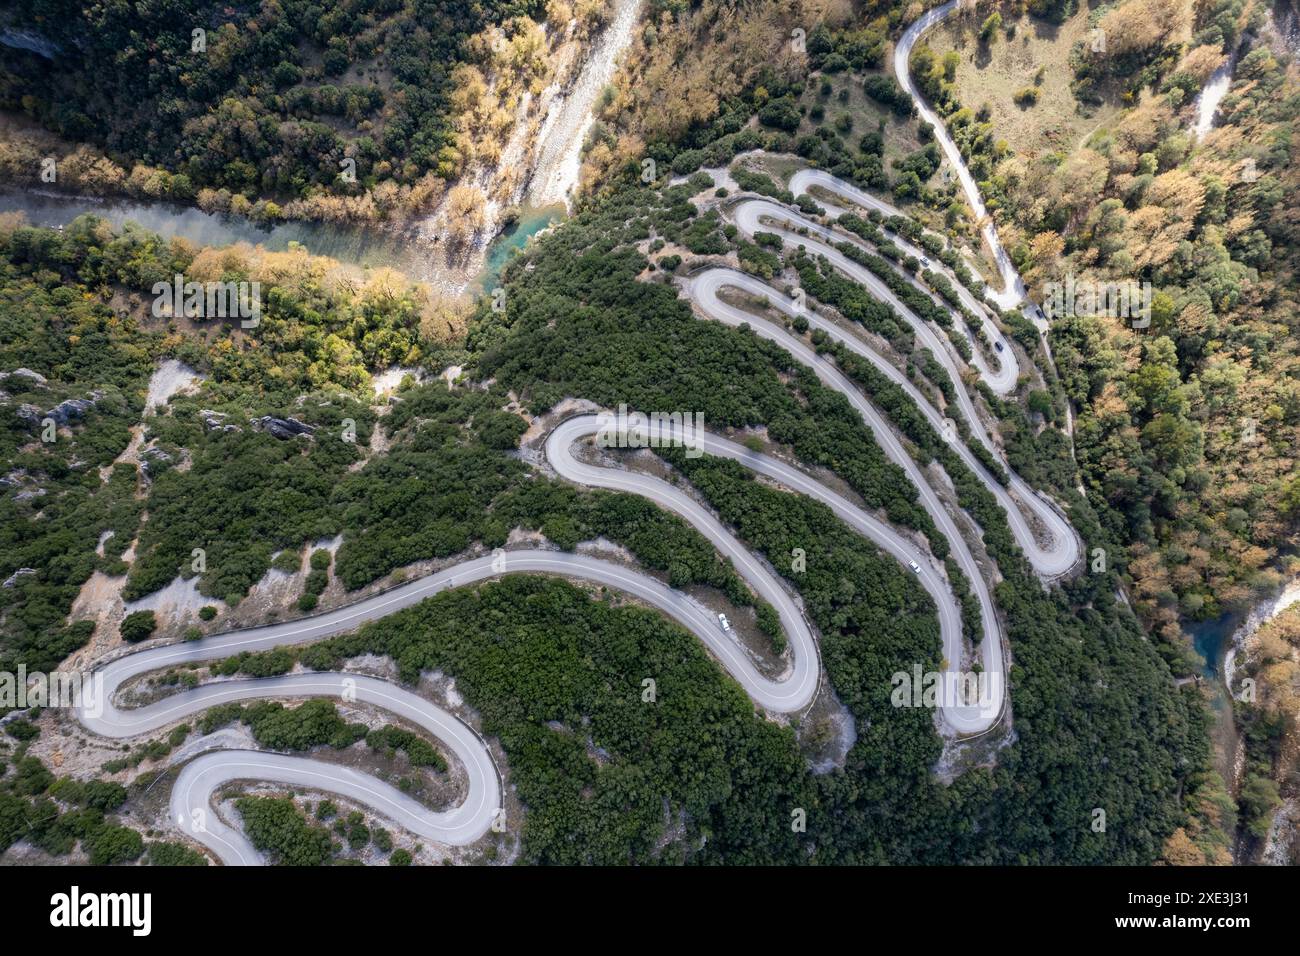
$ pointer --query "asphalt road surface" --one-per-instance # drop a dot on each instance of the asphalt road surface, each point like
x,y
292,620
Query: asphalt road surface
x,y
1013,292
191,799
767,215
1060,549
472,818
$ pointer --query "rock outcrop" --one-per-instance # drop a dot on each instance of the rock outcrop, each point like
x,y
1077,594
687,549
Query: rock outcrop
x,y
282,428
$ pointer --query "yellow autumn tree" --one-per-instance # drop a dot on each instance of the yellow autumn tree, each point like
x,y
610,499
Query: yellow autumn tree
x,y
1201,61
1144,24
464,211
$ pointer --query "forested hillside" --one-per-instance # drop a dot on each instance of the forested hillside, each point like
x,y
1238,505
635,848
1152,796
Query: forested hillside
x,y
885,804
1171,446
1187,429
284,101
320,337
1127,739
1187,425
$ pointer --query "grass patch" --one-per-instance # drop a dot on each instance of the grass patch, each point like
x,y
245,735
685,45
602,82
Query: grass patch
x,y
866,114
995,74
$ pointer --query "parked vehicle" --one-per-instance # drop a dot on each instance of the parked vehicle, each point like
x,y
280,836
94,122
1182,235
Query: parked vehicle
x,y
723,622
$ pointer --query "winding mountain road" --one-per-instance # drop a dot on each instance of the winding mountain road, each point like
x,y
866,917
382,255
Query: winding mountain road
x,y
704,290
768,215
466,823
190,804
191,799
803,181
191,796
1013,293
800,685
1062,547
1051,558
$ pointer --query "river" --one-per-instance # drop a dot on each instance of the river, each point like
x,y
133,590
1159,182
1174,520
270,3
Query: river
x,y
1221,640
1211,638
557,161
514,238
1220,643
1247,625
351,245
354,245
